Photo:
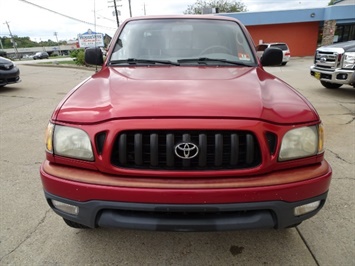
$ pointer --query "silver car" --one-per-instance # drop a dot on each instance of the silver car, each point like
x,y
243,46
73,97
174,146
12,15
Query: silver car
x,y
283,46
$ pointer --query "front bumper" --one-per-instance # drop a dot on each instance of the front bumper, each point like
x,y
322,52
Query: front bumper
x,y
187,217
236,203
9,76
338,76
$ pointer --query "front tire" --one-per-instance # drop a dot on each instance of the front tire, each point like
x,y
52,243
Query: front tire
x,y
75,225
329,85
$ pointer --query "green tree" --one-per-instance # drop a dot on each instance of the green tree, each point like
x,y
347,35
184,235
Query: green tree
x,y
224,6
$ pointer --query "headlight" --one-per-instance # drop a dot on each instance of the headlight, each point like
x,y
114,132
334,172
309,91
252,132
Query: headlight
x,y
302,142
349,60
69,142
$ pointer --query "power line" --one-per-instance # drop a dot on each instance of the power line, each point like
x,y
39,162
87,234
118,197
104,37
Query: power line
x,y
66,16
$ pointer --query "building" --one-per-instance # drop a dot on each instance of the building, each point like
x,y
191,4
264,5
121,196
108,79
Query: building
x,y
302,29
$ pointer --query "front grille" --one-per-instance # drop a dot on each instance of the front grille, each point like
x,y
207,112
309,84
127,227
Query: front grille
x,y
157,150
9,80
327,60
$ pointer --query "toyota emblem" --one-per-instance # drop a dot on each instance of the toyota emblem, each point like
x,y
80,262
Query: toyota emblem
x,y
186,150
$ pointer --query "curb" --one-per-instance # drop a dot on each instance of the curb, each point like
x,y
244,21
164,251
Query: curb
x,y
89,68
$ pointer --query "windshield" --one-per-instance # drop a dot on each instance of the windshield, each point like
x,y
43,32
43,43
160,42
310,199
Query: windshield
x,y
174,40
282,46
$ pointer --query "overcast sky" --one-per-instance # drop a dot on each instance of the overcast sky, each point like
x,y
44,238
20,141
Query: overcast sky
x,y
40,19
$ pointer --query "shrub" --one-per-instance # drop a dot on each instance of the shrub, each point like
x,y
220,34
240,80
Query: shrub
x,y
78,55
80,58
74,53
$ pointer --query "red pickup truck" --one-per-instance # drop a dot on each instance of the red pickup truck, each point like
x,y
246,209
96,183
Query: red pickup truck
x,y
183,130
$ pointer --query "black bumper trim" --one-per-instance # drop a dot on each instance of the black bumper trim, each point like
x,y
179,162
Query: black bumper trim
x,y
187,217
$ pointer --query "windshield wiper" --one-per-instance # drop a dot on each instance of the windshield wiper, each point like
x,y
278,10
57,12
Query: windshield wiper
x,y
204,60
135,61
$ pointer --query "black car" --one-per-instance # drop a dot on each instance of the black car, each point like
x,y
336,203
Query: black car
x,y
9,73
41,55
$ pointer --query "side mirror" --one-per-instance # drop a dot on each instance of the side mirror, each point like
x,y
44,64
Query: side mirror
x,y
271,57
93,56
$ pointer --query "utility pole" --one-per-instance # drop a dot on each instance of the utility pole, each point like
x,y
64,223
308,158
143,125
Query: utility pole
x,y
56,36
12,40
117,12
118,21
130,9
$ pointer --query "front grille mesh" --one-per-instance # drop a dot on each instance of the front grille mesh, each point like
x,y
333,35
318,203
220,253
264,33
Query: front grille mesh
x,y
217,150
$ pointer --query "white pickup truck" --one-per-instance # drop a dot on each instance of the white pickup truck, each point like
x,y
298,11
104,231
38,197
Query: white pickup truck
x,y
334,65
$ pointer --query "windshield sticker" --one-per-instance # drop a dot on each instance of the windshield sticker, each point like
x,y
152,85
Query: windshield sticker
x,y
244,57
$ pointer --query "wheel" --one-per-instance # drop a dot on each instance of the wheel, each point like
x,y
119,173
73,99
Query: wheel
x,y
216,47
284,63
329,85
75,225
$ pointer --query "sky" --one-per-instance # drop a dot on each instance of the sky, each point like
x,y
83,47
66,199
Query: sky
x,y
43,19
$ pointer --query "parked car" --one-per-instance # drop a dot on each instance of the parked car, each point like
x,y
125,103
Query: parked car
x,y
182,129
9,73
334,65
283,46
3,54
28,56
41,55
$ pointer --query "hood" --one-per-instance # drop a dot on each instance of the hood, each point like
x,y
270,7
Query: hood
x,y
348,46
5,61
184,92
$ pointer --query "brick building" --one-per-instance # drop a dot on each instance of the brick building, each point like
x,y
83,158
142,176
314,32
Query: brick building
x,y
302,29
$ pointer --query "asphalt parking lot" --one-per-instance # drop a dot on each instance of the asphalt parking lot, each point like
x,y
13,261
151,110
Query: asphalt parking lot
x,y
31,234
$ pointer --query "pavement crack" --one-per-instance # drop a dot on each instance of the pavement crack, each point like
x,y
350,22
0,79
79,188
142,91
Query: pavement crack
x,y
17,96
342,105
352,120
308,247
10,109
346,178
338,156
28,235
20,164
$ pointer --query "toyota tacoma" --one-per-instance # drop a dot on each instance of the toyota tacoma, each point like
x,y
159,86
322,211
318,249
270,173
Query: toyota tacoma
x,y
182,129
